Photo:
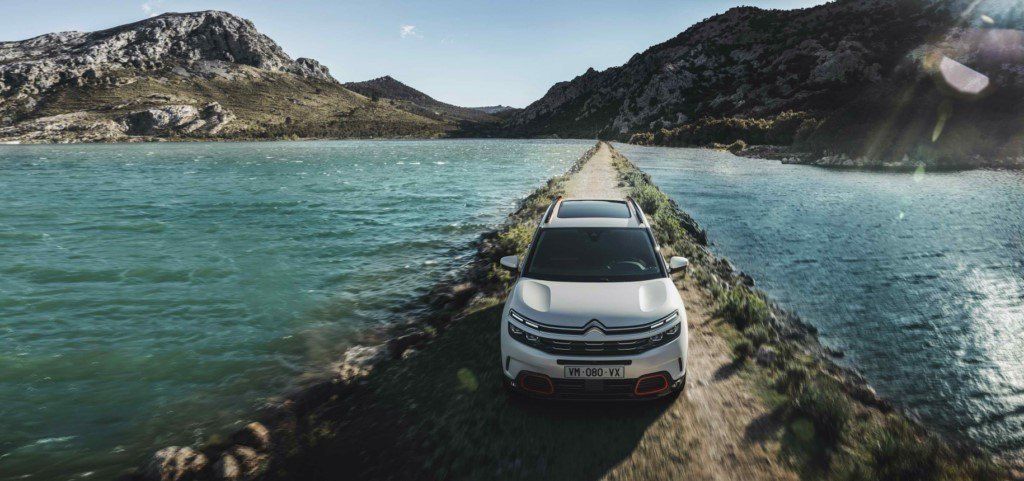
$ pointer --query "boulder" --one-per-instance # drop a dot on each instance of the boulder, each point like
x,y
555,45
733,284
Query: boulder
x,y
254,435
162,120
398,345
227,468
175,463
250,462
178,119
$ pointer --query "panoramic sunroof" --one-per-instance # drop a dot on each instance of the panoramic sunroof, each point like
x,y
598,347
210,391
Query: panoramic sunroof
x,y
573,209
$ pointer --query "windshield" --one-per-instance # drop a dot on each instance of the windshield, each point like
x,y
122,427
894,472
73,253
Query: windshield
x,y
594,255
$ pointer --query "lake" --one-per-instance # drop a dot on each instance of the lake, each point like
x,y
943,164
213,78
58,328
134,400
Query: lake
x,y
917,277
155,294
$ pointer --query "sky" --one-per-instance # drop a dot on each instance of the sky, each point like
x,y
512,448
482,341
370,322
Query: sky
x,y
469,53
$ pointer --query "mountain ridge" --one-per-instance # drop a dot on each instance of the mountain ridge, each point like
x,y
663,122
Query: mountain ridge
x,y
849,83
196,75
414,101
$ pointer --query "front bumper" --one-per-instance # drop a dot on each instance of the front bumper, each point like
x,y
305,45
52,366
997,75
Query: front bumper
x,y
668,360
598,390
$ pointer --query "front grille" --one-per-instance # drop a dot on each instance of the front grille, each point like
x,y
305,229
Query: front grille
x,y
597,348
594,389
594,324
593,348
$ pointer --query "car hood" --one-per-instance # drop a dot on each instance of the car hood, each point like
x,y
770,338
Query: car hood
x,y
573,304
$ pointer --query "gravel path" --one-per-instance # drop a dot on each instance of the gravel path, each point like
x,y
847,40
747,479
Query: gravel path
x,y
598,178
719,429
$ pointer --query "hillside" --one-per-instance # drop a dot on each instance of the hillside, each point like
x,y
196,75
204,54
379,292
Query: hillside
x,y
411,100
181,75
856,83
495,109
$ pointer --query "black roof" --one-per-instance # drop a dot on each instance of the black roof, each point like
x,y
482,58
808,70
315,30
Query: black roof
x,y
574,209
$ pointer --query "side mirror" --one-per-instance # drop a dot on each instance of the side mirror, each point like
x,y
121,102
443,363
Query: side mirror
x,y
510,262
676,263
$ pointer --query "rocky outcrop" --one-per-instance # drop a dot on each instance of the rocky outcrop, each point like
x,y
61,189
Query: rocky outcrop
x,y
938,81
178,119
176,464
746,61
34,66
72,127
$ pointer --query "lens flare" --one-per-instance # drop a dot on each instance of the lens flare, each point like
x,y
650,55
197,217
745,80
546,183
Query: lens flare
x,y
961,77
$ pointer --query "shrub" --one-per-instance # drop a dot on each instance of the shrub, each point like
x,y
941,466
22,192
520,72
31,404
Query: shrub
x,y
668,225
743,308
742,351
736,146
642,138
516,239
793,380
827,408
782,129
649,198
898,453
759,334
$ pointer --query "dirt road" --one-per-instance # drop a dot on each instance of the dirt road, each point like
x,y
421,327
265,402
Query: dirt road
x,y
718,429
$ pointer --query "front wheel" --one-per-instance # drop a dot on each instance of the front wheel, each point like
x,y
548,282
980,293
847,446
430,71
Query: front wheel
x,y
678,389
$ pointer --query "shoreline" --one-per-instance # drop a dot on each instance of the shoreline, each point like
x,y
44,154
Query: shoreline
x,y
782,153
785,154
343,407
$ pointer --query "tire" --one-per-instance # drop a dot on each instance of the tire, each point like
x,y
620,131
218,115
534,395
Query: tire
x,y
676,391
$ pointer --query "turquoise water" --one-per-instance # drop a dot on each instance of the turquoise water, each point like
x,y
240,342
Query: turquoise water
x,y
155,294
918,278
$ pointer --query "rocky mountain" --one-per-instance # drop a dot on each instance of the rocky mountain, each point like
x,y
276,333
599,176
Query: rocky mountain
x,y
180,75
851,82
411,100
495,109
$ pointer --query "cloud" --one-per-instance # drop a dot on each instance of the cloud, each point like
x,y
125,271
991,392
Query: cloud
x,y
408,31
151,6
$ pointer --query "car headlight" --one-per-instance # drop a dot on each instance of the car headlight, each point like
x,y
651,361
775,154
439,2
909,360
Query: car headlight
x,y
521,318
665,320
521,335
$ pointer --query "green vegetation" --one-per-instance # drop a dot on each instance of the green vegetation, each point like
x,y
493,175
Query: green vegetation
x,y
829,435
742,351
733,133
829,410
742,307
267,105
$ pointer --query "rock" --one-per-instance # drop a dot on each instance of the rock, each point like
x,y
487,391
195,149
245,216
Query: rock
x,y
72,127
358,361
178,119
175,463
765,355
365,356
39,64
163,120
255,435
309,68
836,353
227,468
216,117
398,345
463,292
251,463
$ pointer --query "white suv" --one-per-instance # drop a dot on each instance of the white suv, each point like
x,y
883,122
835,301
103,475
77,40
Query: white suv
x,y
594,313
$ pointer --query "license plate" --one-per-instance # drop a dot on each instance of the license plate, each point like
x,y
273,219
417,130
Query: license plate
x,y
595,372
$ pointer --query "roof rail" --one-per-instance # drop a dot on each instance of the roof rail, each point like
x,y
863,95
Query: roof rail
x,y
551,209
640,217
